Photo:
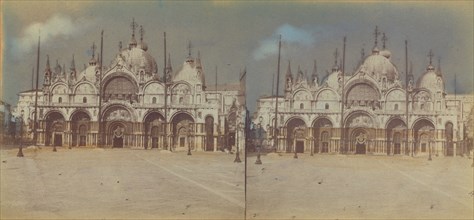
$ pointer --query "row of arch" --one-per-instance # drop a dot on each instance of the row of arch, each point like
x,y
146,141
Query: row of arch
x,y
81,127
423,133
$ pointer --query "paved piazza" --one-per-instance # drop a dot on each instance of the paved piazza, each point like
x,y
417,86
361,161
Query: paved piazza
x,y
121,184
377,187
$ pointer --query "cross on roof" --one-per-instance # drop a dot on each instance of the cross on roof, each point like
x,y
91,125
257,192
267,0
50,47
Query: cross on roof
x,y
376,34
430,55
93,49
142,32
384,39
133,25
336,55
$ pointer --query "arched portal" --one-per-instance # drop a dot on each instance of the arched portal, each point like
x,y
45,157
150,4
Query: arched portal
x,y
449,139
154,130
360,130
295,135
79,128
55,125
183,131
209,133
393,133
423,133
118,123
322,129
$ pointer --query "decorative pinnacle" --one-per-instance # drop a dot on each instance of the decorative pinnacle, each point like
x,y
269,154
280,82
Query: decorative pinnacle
x,y
189,49
430,55
384,39
133,25
376,34
336,55
93,50
142,32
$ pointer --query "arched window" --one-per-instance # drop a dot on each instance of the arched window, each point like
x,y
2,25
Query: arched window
x,y
84,100
180,100
422,107
301,106
153,100
396,107
326,106
60,99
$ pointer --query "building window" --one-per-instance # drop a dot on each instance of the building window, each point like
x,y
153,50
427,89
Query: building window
x,y
180,100
326,106
301,106
396,106
84,100
422,107
60,100
153,100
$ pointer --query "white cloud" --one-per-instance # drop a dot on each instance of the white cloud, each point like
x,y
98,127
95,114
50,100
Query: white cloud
x,y
57,26
290,34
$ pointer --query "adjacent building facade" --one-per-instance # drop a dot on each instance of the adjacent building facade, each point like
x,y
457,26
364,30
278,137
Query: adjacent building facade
x,y
129,103
370,111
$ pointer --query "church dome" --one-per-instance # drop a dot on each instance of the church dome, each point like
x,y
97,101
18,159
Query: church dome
x,y
90,73
137,58
378,64
431,80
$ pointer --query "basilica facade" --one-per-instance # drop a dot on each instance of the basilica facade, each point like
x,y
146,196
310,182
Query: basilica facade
x,y
129,103
370,111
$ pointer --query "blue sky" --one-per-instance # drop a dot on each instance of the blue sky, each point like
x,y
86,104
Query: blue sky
x,y
234,35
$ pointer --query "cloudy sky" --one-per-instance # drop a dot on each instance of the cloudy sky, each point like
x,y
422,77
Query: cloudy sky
x,y
234,35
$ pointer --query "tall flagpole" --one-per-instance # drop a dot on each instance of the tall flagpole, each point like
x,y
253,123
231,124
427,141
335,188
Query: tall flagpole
x,y
275,126
35,127
165,74
343,147
99,117
406,96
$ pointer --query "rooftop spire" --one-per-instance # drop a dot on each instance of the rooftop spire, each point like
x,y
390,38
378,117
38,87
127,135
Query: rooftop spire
x,y
133,25
384,40
142,32
288,70
189,48
376,34
93,50
120,46
430,55
48,67
336,55
315,68
73,64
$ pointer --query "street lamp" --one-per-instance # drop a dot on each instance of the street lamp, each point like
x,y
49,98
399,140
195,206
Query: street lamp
x,y
294,136
237,155
190,138
429,157
258,140
20,150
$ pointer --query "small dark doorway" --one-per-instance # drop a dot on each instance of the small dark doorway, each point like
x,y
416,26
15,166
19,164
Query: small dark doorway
x,y
360,148
299,146
154,142
182,141
82,135
325,147
118,142
397,148
58,140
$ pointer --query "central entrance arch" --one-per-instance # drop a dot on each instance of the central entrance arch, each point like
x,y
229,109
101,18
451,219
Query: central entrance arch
x,y
359,140
118,122
360,127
